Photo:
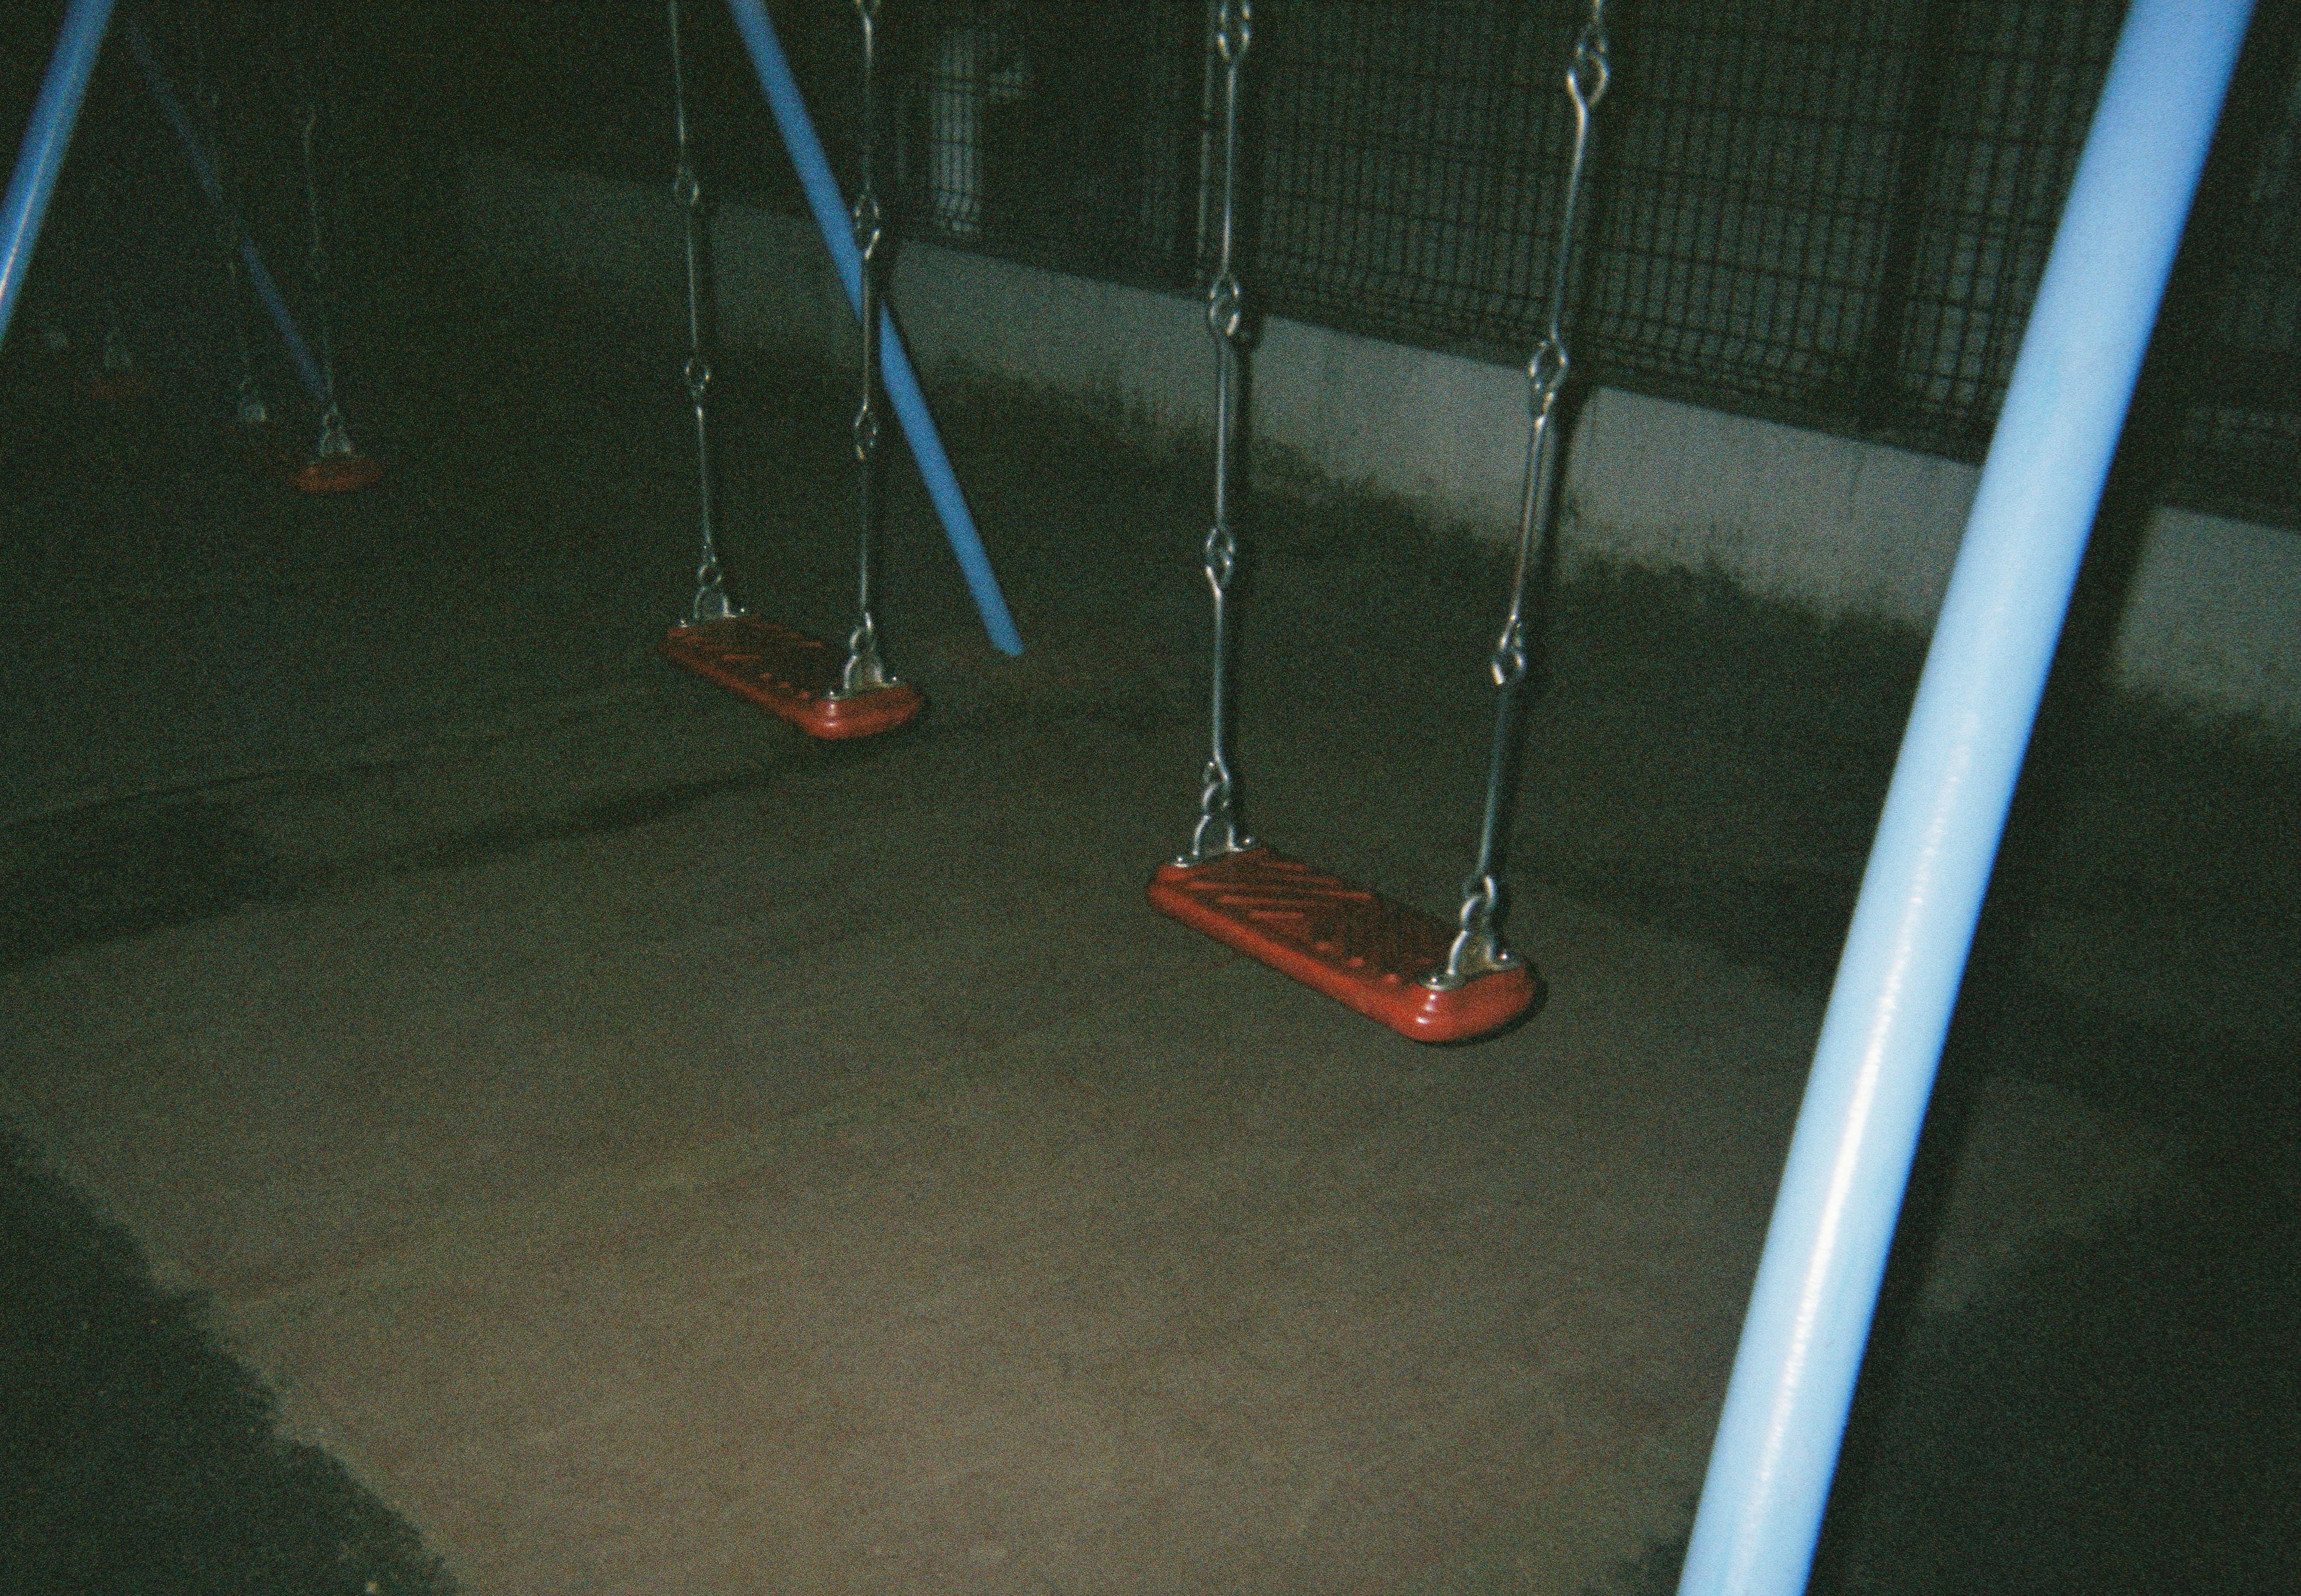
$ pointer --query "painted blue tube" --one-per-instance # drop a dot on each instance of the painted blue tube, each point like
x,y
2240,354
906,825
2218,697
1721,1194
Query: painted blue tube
x,y
1880,1044
830,207
47,135
204,170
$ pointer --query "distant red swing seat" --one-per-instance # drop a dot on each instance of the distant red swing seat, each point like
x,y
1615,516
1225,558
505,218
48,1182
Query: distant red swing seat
x,y
336,467
789,673
338,473
1355,946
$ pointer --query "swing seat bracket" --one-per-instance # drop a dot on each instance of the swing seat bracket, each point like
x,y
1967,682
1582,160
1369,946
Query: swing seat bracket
x,y
1357,947
788,672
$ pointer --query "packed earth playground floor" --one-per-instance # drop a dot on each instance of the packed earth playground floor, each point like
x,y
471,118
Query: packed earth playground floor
x,y
655,1150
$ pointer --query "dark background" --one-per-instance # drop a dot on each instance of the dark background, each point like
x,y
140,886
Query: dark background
x,y
1833,215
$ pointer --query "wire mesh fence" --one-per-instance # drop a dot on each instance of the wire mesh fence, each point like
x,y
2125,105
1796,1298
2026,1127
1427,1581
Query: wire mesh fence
x,y
1832,212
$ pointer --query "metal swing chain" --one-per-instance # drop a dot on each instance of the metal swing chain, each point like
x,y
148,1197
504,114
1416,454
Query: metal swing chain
x,y
865,671
1478,948
117,357
334,440
1217,832
712,601
249,409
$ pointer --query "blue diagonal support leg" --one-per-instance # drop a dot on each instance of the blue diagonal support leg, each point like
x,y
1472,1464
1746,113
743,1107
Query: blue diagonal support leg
x,y
829,208
267,291
1881,1038
46,136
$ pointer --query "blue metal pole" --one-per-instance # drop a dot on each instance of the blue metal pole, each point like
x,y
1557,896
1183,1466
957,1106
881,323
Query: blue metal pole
x,y
829,208
204,170
1881,1038
46,136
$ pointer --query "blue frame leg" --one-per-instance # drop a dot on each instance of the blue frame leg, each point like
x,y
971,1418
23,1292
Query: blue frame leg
x,y
1881,1038
47,135
267,291
829,208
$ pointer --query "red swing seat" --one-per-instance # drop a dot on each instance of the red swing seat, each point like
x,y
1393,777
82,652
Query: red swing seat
x,y
338,473
1357,947
789,673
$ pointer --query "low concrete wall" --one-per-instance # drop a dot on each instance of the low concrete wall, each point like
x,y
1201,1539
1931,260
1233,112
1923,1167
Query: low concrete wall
x,y
2213,621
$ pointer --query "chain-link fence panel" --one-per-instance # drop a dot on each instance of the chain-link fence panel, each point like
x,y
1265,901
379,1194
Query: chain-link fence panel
x,y
1833,213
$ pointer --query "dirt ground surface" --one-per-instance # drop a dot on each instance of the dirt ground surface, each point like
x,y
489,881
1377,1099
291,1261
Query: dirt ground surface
x,y
662,1154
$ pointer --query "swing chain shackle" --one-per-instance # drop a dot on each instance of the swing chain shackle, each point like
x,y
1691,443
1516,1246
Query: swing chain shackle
x,y
335,437
1231,29
1477,948
712,601
865,671
249,408
1546,374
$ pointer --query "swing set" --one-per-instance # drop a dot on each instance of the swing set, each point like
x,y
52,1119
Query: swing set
x,y
335,464
1389,962
1426,980
1816,1290
1412,972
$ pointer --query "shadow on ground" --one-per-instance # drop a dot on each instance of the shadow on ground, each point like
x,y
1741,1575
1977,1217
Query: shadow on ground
x,y
139,1456
2100,1418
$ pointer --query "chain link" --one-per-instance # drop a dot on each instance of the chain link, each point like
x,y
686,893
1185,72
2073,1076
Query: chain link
x,y
1478,948
1226,307
1231,34
315,259
1234,30
249,406
865,671
335,441
712,601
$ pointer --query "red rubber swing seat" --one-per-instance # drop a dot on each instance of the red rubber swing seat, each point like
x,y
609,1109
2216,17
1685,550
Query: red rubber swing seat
x,y
338,473
1355,946
788,672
